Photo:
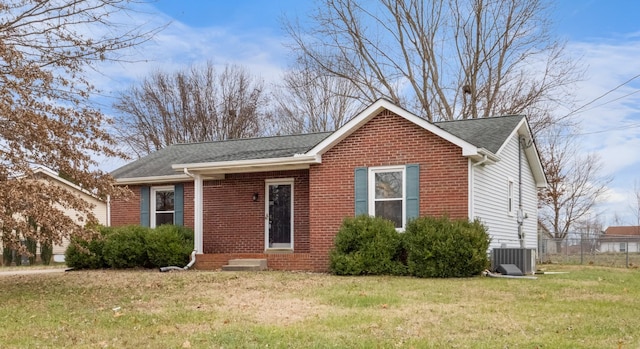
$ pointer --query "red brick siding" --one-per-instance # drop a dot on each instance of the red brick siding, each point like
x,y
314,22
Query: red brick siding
x,y
234,223
385,140
188,204
275,261
125,211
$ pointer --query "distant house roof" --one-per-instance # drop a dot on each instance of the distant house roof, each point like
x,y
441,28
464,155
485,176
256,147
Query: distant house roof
x,y
623,230
42,171
477,138
487,133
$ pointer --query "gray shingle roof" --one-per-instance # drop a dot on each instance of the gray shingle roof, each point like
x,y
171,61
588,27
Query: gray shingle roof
x,y
159,163
488,133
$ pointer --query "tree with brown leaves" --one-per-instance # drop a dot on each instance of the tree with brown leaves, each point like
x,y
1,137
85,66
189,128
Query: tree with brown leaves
x,y
46,117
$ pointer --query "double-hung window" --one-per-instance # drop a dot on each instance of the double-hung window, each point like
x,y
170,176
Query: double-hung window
x,y
387,194
390,192
162,206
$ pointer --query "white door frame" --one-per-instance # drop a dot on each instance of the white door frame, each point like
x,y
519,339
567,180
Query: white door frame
x,y
269,182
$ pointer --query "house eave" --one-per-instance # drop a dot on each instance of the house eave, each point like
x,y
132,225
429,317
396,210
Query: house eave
x,y
531,152
468,149
296,162
48,172
484,156
154,179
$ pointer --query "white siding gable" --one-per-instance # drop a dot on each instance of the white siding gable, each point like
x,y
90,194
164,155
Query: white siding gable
x,y
489,198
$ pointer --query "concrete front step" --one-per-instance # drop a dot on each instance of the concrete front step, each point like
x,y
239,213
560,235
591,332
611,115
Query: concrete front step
x,y
245,265
241,268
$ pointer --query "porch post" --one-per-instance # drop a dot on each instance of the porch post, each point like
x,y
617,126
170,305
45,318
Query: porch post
x,y
197,213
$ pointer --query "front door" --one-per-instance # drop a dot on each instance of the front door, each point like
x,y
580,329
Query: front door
x,y
279,217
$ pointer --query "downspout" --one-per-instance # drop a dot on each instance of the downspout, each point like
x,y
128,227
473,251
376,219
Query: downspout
x,y
108,222
193,253
485,158
186,267
522,145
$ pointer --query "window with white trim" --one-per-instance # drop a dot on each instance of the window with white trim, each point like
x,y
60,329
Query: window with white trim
x,y
623,247
510,205
387,198
162,206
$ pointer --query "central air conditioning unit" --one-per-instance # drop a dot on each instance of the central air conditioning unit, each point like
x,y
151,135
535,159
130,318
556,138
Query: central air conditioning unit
x,y
523,258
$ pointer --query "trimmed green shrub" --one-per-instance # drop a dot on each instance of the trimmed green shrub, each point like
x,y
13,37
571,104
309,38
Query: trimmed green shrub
x,y
82,254
169,245
125,247
367,245
46,252
440,247
132,247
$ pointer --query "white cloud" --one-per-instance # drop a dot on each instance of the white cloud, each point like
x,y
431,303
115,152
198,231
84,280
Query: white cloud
x,y
618,204
610,126
178,46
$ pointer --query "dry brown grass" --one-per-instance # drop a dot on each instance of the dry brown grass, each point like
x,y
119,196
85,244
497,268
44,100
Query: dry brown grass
x,y
587,308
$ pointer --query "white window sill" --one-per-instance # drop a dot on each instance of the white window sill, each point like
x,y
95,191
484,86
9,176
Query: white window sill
x,y
278,250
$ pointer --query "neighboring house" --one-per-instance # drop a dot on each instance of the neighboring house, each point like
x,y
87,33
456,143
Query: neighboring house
x,y
283,198
99,206
621,239
546,243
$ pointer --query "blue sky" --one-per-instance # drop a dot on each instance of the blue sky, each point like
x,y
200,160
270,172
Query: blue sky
x,y
604,34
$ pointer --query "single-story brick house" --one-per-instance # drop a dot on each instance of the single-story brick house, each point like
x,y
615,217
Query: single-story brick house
x,y
283,198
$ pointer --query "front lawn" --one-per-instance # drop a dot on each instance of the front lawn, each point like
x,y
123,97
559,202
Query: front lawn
x,y
590,307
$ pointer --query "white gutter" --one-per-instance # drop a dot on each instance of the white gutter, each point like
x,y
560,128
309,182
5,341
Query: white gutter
x,y
226,166
154,179
485,158
488,155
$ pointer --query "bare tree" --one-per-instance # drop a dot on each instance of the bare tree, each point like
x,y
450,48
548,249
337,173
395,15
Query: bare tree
x,y
591,230
616,220
46,116
635,204
448,59
575,185
309,101
194,105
